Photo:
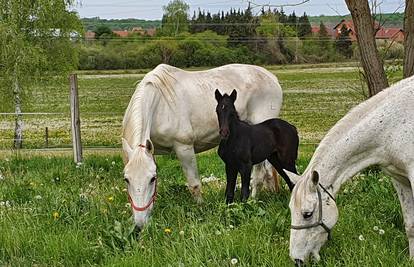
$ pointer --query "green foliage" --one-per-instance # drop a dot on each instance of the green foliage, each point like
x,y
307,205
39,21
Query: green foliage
x,y
36,40
175,18
343,43
102,29
389,19
304,27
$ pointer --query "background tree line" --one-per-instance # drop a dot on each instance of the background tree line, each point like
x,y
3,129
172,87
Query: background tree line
x,y
205,39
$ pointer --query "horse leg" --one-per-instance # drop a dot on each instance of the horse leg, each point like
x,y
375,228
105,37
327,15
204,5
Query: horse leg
x,y
405,195
259,173
263,174
275,162
231,174
245,172
186,155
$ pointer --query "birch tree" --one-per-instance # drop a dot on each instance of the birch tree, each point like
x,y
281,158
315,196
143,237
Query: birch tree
x,y
36,39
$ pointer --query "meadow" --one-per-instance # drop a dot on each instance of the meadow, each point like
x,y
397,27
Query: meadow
x,y
56,213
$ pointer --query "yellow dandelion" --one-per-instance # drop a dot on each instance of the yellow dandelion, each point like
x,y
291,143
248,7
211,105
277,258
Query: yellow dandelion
x,y
110,199
167,230
55,215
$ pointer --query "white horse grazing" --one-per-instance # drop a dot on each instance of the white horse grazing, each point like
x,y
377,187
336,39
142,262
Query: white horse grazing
x,y
378,131
174,111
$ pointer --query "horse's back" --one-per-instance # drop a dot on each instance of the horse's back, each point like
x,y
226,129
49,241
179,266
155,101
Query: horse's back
x,y
189,96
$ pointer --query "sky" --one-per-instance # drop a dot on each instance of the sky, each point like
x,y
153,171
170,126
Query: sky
x,y
152,10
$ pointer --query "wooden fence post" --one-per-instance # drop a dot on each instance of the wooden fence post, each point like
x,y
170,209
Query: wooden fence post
x,y
75,120
46,137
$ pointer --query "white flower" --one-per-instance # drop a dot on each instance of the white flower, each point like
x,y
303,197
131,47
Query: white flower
x,y
5,203
181,233
375,228
231,226
381,231
209,179
361,237
234,261
113,163
127,205
38,197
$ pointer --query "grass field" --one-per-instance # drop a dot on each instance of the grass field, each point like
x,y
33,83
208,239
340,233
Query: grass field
x,y
54,213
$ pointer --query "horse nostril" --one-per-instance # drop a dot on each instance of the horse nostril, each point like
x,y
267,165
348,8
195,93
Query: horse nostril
x,y
137,229
298,262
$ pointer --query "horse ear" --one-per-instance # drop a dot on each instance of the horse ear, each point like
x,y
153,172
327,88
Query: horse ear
x,y
218,95
149,146
292,176
314,180
233,95
126,147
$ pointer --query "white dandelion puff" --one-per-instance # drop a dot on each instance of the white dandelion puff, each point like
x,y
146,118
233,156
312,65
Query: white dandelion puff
x,y
234,261
376,228
381,232
361,237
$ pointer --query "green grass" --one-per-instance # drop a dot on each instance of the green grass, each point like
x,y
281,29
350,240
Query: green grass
x,y
94,229
309,95
94,225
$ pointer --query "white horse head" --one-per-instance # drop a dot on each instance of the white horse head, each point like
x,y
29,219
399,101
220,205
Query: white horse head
x,y
140,174
313,212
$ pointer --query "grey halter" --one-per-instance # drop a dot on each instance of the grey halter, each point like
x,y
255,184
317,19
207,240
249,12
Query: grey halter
x,y
320,221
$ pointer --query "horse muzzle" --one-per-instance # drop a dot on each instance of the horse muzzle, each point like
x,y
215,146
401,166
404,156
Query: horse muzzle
x,y
224,133
299,262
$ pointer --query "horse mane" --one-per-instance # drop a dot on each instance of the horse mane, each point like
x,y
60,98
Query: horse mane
x,y
161,79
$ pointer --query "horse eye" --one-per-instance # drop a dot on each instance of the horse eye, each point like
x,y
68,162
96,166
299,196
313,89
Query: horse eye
x,y
126,180
152,180
307,215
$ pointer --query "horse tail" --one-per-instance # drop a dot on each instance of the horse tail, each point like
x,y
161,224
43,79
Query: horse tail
x,y
276,179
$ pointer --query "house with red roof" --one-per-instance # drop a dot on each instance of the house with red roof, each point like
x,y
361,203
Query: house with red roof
x,y
392,34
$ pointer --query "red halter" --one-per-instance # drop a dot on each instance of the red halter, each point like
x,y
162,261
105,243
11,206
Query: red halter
x,y
152,200
153,197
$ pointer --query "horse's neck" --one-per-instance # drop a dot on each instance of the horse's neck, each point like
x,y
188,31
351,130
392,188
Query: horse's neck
x,y
339,158
142,114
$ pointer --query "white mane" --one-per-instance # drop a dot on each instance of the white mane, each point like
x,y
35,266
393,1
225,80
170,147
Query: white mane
x,y
160,79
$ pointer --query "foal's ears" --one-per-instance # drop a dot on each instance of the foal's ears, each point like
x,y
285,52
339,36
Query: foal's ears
x,y
218,95
233,95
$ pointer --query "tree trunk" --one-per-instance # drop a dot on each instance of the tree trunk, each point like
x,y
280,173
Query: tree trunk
x,y
370,59
18,130
409,38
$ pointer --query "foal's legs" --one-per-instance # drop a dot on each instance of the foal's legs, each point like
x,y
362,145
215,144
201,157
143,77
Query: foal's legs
x,y
405,194
186,155
231,174
276,163
245,172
